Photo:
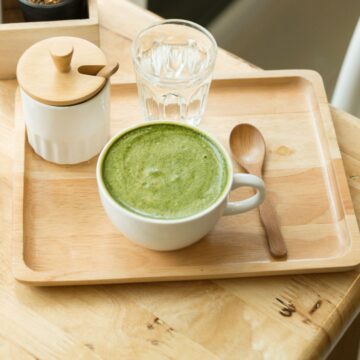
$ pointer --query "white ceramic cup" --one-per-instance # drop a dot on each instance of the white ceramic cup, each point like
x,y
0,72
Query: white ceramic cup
x,y
163,235
68,134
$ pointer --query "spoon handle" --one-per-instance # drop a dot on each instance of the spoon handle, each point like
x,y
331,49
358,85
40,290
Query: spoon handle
x,y
108,70
270,222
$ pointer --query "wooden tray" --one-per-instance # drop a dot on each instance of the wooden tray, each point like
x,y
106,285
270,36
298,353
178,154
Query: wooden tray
x,y
62,235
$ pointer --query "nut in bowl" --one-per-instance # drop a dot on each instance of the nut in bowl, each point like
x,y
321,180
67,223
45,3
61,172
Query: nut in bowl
x,y
165,185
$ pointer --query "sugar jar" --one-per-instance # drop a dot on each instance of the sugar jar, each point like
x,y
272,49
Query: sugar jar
x,y
66,104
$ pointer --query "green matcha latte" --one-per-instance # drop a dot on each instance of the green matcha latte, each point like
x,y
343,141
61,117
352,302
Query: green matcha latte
x,y
164,171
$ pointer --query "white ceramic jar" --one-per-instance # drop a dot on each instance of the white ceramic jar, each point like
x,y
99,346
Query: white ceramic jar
x,y
164,235
66,106
68,134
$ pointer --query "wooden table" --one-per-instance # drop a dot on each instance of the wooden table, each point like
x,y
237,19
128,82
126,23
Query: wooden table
x,y
222,319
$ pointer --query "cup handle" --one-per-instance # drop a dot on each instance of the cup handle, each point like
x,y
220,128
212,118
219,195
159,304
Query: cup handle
x,y
237,207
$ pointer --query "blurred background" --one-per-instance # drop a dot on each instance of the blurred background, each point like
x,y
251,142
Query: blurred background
x,y
275,34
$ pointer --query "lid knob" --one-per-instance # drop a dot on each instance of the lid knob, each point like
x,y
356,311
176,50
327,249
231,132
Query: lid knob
x,y
61,54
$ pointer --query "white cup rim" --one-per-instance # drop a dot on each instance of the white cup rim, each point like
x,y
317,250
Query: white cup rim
x,y
149,219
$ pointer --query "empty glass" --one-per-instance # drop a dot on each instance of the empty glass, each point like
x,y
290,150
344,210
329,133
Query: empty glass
x,y
173,62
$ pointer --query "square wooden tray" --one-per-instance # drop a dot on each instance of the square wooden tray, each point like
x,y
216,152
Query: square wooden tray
x,y
62,235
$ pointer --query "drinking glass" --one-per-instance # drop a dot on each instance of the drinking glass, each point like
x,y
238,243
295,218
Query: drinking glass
x,y
174,62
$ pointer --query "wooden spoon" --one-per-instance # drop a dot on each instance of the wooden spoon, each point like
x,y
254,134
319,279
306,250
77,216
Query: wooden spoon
x,y
248,148
108,70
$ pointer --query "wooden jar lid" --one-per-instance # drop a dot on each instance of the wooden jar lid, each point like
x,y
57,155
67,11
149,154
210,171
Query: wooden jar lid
x,y
61,71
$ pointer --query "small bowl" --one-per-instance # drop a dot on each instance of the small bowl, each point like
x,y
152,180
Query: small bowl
x,y
65,10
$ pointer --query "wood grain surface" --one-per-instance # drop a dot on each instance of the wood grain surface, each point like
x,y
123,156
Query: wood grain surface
x,y
303,173
222,319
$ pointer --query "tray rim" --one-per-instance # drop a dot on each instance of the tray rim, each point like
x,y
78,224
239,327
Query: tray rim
x,y
348,260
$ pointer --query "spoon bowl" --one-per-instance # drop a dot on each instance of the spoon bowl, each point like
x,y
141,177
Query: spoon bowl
x,y
248,147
